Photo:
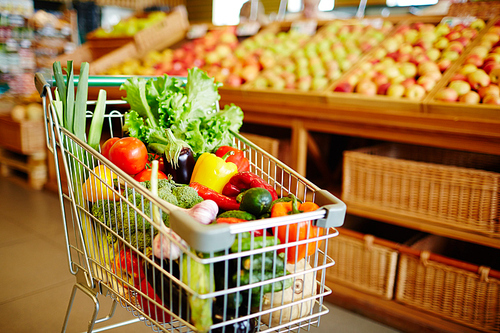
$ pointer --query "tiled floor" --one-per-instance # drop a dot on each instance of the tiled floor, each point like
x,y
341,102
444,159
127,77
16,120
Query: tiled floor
x,y
35,283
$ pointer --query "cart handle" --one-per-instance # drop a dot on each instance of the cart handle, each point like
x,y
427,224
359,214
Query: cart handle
x,y
108,80
218,237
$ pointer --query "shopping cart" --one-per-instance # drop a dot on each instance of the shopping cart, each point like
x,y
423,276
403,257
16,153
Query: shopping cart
x,y
225,275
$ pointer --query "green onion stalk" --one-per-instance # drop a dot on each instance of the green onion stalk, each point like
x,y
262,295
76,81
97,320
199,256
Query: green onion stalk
x,y
71,112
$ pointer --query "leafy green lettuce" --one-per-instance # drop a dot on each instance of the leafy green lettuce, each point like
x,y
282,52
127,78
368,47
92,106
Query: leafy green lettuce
x,y
190,111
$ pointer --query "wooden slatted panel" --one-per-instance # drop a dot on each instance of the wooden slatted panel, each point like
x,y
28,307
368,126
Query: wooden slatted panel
x,y
199,10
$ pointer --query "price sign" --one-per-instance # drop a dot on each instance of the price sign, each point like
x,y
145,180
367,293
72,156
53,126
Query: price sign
x,y
307,27
453,21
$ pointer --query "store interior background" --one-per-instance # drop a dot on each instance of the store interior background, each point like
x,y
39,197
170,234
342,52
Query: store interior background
x,y
36,292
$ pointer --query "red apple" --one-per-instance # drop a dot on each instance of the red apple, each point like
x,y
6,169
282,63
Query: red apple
x,y
458,76
467,69
494,57
488,67
481,51
366,87
344,87
408,82
446,95
444,64
491,99
396,91
455,46
474,59
492,89
415,92
478,79
427,82
427,67
471,97
461,87
495,75
383,88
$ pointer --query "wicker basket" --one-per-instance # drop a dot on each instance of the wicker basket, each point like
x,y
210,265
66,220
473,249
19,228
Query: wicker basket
x,y
451,188
456,290
366,262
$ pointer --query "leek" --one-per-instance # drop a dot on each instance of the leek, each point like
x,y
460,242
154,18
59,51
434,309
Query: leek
x,y
70,98
80,110
95,131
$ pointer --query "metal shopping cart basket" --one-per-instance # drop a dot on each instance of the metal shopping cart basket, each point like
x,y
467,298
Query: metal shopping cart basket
x,y
225,275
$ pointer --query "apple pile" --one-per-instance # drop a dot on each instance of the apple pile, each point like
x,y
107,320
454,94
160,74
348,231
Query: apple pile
x,y
477,80
209,50
130,26
255,54
324,58
410,62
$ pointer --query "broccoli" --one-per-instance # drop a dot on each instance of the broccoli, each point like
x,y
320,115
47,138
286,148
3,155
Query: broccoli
x,y
186,196
122,217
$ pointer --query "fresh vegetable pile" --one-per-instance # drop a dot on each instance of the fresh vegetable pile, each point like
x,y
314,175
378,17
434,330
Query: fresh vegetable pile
x,y
179,146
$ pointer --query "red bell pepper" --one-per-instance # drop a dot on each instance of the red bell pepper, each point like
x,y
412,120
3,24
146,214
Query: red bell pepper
x,y
130,263
224,202
234,155
245,180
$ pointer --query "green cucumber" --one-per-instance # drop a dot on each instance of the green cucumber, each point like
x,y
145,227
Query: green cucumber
x,y
239,214
256,201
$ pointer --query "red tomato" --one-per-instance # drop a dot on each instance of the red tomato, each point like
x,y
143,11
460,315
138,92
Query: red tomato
x,y
129,154
160,161
146,175
107,146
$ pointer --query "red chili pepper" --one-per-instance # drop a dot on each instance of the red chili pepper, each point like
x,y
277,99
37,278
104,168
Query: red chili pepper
x,y
244,181
224,202
237,157
235,220
230,220
150,308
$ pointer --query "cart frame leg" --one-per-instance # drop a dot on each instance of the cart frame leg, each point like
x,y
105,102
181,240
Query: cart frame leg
x,y
93,296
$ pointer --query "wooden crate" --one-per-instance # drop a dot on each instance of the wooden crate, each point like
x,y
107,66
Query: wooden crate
x,y
457,109
451,279
323,32
382,103
167,32
32,165
140,4
366,254
459,190
25,137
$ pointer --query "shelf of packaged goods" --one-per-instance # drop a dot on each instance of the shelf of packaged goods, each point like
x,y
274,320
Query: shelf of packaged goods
x,y
392,313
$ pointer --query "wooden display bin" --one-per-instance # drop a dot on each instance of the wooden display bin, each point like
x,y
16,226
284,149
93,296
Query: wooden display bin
x,y
155,37
323,32
455,280
455,189
459,109
25,137
382,103
167,32
366,253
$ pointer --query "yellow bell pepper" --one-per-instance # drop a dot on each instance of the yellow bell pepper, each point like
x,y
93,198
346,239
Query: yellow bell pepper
x,y
213,171
95,189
